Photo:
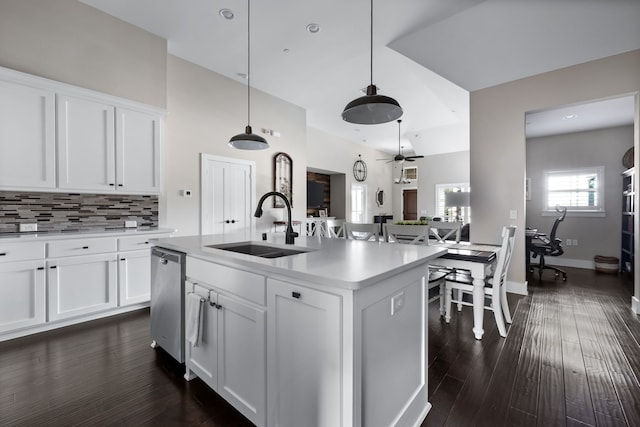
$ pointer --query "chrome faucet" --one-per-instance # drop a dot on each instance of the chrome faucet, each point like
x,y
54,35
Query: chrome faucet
x,y
289,234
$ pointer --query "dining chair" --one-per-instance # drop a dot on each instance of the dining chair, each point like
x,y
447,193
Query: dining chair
x,y
495,291
418,235
355,231
335,228
410,234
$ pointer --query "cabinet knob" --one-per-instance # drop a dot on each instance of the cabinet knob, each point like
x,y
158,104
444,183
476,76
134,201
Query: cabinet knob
x,y
227,221
111,184
120,185
40,268
123,259
54,266
296,294
85,247
3,254
233,221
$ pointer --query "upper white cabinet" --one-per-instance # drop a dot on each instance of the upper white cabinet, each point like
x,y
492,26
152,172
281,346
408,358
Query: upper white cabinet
x,y
137,151
27,136
60,137
86,144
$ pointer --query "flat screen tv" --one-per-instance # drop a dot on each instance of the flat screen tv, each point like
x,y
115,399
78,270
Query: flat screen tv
x,y
315,194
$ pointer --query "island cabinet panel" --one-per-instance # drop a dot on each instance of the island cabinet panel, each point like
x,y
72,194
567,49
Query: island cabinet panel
x,y
22,294
393,327
231,356
305,356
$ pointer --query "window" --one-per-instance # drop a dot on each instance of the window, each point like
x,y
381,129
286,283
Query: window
x,y
449,213
410,173
579,190
359,203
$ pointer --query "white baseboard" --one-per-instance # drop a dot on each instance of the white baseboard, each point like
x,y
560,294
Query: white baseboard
x,y
517,288
635,305
567,262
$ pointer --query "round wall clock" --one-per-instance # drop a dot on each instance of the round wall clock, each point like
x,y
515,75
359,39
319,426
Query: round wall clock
x,y
360,170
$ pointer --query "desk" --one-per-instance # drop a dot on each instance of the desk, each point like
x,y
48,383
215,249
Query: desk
x,y
529,234
478,259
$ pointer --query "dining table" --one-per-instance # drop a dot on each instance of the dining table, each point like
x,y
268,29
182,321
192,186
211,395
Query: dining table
x,y
479,260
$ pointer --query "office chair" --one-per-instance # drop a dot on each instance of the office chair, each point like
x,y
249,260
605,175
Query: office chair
x,y
542,246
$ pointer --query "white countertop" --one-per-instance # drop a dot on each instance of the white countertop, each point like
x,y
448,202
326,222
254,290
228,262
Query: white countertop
x,y
58,235
348,264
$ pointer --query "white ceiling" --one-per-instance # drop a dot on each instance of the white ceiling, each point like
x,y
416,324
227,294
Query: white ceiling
x,y
427,54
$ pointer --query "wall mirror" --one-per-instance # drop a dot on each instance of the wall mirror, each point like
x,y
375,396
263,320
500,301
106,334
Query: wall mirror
x,y
380,197
282,175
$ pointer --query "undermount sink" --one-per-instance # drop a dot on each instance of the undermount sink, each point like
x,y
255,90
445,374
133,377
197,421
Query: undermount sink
x,y
263,251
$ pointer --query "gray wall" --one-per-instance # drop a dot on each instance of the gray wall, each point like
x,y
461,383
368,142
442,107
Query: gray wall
x,y
595,235
498,152
438,169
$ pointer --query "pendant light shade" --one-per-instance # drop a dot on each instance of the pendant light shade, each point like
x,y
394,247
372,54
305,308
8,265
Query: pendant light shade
x,y
248,140
372,108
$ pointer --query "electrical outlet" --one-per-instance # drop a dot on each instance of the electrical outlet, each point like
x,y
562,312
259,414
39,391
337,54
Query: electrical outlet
x,y
397,303
574,242
130,224
28,227
568,242
513,214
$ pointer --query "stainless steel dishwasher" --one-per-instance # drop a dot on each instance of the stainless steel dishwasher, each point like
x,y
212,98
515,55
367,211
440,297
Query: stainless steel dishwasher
x,y
167,301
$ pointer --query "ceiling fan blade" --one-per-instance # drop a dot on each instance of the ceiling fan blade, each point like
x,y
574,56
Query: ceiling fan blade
x,y
411,158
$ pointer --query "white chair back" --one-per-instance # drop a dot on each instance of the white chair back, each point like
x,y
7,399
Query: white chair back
x,y
498,282
335,228
368,231
409,234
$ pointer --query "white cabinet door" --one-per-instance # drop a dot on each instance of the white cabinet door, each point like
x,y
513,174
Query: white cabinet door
x,y
242,357
27,137
86,144
134,277
137,151
203,359
22,294
81,285
305,360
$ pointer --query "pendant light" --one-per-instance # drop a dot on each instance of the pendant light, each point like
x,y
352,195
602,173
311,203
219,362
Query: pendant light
x,y
372,108
248,140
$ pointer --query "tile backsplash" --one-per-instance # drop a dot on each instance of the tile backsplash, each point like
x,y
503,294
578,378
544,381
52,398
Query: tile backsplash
x,y
74,211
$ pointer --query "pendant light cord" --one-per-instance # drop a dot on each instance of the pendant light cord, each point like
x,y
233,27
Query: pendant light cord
x,y
371,45
249,62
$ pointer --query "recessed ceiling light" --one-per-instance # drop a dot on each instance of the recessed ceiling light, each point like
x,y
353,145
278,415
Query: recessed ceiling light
x,y
570,117
227,14
313,28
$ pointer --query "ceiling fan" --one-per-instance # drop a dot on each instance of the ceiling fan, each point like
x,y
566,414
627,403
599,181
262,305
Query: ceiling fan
x,y
401,157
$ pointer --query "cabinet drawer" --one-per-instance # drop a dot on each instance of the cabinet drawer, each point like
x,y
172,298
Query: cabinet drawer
x,y
21,251
134,243
241,283
62,248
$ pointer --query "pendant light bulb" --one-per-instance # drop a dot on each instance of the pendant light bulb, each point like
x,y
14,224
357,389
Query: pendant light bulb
x,y
372,108
248,140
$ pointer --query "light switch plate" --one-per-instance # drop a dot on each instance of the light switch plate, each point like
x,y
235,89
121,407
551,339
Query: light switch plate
x,y
397,303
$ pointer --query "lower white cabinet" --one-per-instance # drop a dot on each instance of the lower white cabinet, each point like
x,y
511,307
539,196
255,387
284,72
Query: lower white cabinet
x,y
231,357
22,294
305,356
81,285
134,277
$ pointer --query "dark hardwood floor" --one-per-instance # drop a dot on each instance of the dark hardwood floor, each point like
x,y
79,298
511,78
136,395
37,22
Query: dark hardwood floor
x,y
571,358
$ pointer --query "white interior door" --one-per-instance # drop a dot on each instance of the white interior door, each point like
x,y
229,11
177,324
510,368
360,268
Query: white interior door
x,y
227,194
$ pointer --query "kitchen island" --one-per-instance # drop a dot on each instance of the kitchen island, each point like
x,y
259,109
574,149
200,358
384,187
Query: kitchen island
x,y
335,335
